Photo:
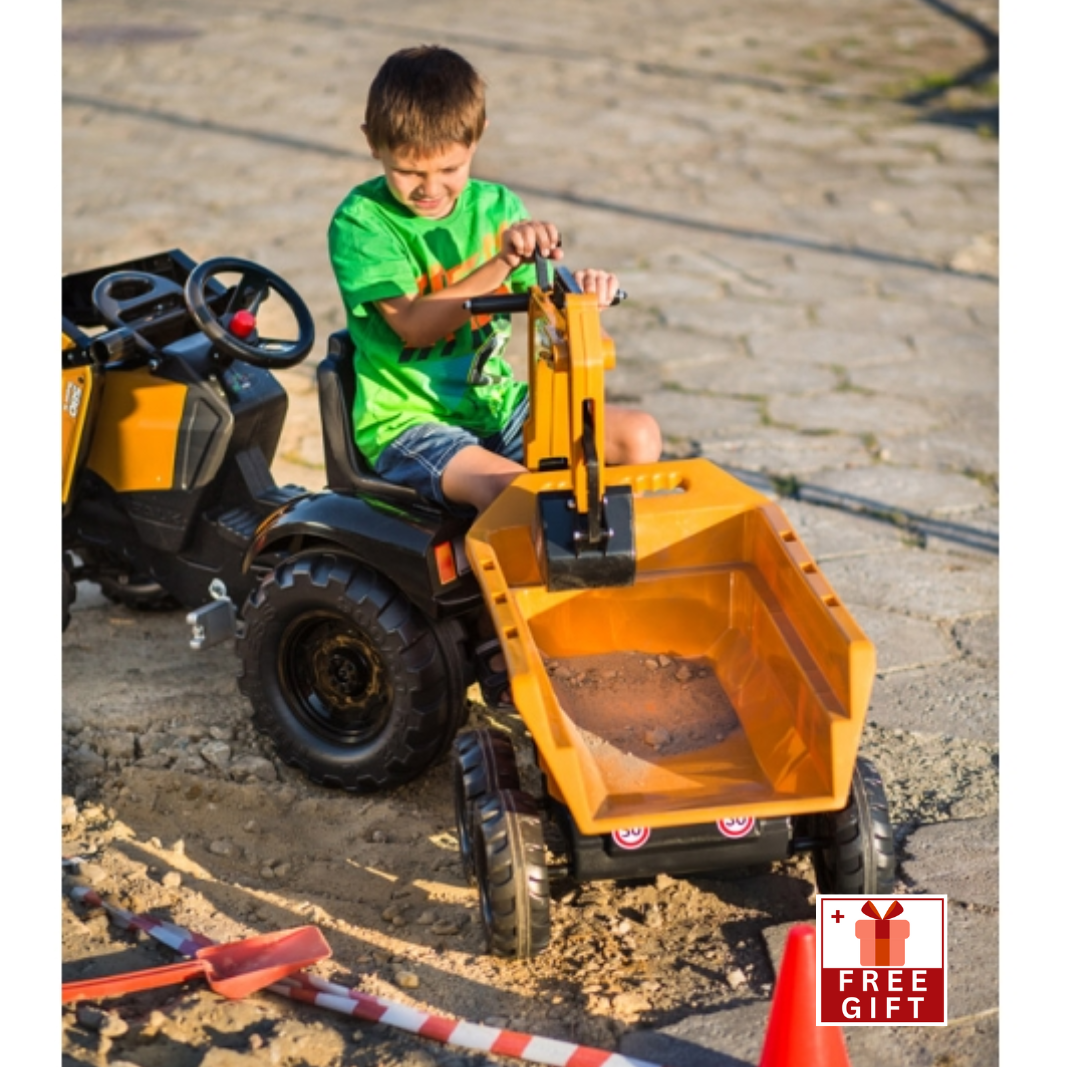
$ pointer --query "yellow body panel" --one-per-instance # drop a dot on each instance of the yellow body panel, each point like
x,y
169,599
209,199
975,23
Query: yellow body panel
x,y
722,580
136,441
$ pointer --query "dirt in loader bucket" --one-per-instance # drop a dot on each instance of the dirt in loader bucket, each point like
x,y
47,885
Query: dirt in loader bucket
x,y
643,705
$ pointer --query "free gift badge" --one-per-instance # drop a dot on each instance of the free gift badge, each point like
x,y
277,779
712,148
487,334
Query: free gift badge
x,y
881,961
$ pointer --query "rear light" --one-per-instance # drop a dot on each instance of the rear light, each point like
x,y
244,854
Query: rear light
x,y
446,562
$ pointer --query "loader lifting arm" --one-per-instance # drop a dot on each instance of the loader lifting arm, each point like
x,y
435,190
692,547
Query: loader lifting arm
x,y
587,533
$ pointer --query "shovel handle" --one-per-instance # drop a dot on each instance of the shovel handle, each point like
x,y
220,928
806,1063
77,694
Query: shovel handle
x,y
134,981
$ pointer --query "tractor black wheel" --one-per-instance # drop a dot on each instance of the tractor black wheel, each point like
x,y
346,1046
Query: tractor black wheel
x,y
512,874
345,675
483,761
855,852
70,590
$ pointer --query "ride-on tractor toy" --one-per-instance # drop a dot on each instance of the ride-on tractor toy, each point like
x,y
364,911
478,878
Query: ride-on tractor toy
x,y
358,610
354,610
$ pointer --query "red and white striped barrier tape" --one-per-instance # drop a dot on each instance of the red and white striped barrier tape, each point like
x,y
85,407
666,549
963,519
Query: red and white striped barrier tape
x,y
310,989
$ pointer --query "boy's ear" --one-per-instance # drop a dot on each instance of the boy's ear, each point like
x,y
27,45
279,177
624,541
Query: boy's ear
x,y
370,143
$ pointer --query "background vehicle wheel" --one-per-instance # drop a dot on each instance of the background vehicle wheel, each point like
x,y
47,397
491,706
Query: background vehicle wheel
x,y
512,874
857,855
344,675
483,761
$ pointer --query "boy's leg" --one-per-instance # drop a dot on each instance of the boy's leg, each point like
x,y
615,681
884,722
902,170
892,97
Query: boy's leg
x,y
477,476
630,437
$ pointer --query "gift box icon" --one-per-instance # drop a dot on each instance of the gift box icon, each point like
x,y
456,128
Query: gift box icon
x,y
882,937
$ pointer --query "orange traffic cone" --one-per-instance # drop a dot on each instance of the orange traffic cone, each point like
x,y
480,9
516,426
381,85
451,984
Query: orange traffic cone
x,y
793,1039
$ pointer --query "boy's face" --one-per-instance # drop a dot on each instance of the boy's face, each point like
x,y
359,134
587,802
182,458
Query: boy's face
x,y
430,184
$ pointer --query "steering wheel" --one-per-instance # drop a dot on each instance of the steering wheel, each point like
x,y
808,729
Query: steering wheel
x,y
232,331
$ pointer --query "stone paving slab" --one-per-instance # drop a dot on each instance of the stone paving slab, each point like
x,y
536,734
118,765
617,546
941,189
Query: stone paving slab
x,y
935,586
958,859
889,487
959,698
904,642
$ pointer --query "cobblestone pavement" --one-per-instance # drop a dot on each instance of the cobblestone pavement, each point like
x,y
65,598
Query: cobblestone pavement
x,y
802,200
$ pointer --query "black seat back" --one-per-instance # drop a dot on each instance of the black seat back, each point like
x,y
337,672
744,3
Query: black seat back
x,y
345,467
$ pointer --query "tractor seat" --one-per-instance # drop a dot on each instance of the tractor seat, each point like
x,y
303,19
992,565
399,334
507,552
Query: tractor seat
x,y
345,467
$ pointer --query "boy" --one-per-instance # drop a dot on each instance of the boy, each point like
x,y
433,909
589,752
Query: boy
x,y
408,249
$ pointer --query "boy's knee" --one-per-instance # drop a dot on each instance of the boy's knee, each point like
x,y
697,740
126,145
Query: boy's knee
x,y
643,441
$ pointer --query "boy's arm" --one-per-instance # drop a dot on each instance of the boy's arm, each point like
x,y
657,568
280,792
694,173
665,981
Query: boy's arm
x,y
421,321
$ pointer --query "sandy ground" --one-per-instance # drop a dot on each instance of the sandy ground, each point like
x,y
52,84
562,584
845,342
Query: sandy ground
x,y
160,736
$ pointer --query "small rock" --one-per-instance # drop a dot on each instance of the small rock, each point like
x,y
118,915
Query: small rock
x,y
498,1022
70,811
390,913
250,826
379,837
171,880
246,767
221,847
155,1022
221,733
156,762
178,848
407,980
736,978
630,1003
426,918
282,869
664,661
651,664
657,738
683,674
266,871
190,763
217,753
92,872
106,1023
444,927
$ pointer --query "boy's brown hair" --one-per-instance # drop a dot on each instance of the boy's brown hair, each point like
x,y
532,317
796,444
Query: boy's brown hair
x,y
424,98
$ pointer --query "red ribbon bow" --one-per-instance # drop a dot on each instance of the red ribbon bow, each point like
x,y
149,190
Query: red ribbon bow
x,y
881,926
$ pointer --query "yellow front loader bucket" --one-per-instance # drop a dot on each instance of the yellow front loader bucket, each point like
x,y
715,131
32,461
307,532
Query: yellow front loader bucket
x,y
710,672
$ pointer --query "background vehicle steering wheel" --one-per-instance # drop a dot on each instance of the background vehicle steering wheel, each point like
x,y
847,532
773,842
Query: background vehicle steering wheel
x,y
234,335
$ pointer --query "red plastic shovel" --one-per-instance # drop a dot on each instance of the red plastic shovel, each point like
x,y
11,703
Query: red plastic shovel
x,y
234,969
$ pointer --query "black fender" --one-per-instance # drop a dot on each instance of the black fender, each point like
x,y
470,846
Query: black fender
x,y
397,543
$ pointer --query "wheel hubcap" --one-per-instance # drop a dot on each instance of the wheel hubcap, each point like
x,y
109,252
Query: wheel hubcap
x,y
336,679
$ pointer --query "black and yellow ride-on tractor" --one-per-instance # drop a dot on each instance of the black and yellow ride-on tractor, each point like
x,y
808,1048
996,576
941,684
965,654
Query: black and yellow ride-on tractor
x,y
354,608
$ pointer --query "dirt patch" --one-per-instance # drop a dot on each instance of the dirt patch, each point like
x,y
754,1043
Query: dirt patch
x,y
644,705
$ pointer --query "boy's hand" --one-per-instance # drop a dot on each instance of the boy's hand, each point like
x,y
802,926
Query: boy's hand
x,y
519,242
600,282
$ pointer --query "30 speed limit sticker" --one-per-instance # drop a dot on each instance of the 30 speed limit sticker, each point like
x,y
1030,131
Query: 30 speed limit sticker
x,y
631,838
736,827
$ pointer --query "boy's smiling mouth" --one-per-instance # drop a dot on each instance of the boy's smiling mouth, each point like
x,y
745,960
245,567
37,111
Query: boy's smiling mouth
x,y
428,183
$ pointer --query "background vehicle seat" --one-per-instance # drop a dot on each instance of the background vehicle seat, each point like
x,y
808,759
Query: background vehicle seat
x,y
345,466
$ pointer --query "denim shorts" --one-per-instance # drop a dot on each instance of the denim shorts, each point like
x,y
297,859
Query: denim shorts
x,y
419,455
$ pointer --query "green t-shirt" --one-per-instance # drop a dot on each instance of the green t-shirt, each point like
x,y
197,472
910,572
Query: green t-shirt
x,y
381,250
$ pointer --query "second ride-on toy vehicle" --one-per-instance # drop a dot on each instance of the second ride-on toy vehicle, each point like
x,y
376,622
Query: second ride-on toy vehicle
x,y
357,610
